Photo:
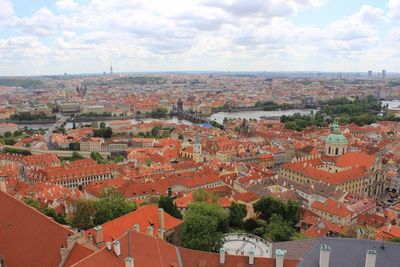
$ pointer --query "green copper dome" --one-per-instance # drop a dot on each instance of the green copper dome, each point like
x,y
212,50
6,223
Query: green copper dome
x,y
336,136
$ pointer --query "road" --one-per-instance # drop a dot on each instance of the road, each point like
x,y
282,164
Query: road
x,y
47,135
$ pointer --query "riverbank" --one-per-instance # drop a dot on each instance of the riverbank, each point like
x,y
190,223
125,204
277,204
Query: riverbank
x,y
29,122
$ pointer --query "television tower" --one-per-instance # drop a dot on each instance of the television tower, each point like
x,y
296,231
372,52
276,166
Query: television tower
x,y
111,69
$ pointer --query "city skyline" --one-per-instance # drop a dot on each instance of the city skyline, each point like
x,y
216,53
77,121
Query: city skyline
x,y
54,37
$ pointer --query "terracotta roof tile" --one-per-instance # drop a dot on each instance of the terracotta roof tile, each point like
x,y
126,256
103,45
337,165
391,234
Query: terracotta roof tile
x,y
28,238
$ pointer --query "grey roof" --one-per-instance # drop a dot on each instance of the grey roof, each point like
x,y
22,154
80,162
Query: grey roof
x,y
296,249
349,252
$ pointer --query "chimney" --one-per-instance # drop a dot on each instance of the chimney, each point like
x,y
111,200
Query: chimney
x,y
251,256
117,248
109,245
161,233
222,256
136,227
129,262
370,259
324,253
150,230
3,186
99,234
279,257
360,233
161,218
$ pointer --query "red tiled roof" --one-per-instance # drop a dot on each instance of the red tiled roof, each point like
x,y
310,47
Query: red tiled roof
x,y
247,197
309,169
208,259
77,253
148,251
355,158
144,216
29,238
388,232
332,207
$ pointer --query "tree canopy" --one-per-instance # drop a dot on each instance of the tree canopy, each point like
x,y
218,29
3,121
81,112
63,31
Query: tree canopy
x,y
167,203
111,205
279,230
204,225
268,206
237,212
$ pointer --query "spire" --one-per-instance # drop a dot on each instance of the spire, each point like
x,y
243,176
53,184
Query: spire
x,y
197,137
335,128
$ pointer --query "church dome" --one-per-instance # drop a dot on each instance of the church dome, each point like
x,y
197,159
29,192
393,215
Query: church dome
x,y
335,136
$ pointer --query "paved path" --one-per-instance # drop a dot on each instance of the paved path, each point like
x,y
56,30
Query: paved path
x,y
241,244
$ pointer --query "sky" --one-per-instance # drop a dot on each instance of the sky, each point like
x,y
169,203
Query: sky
x,y
50,37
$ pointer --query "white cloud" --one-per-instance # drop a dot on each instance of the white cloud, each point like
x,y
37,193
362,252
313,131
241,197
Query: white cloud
x,y
394,9
196,34
6,10
369,14
67,4
42,23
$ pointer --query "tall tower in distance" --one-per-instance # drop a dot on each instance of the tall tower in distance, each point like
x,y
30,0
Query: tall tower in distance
x,y
384,73
197,152
370,73
111,69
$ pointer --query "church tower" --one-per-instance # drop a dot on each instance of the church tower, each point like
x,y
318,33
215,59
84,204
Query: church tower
x,y
197,153
336,142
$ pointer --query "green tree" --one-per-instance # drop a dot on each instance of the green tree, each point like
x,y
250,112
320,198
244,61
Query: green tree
x,y
98,157
159,112
9,141
201,195
16,133
102,125
267,206
84,211
167,203
31,202
7,134
155,131
204,225
76,156
395,239
56,216
237,212
250,224
111,205
292,212
279,230
103,132
75,146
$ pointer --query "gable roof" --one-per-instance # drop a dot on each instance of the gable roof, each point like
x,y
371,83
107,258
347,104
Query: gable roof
x,y
144,216
148,251
29,238
349,252
331,206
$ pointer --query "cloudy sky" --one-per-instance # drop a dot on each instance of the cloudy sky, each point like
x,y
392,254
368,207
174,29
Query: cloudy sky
x,y
84,36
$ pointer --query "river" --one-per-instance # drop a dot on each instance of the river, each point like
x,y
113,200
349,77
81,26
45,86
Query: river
x,y
219,117
395,104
